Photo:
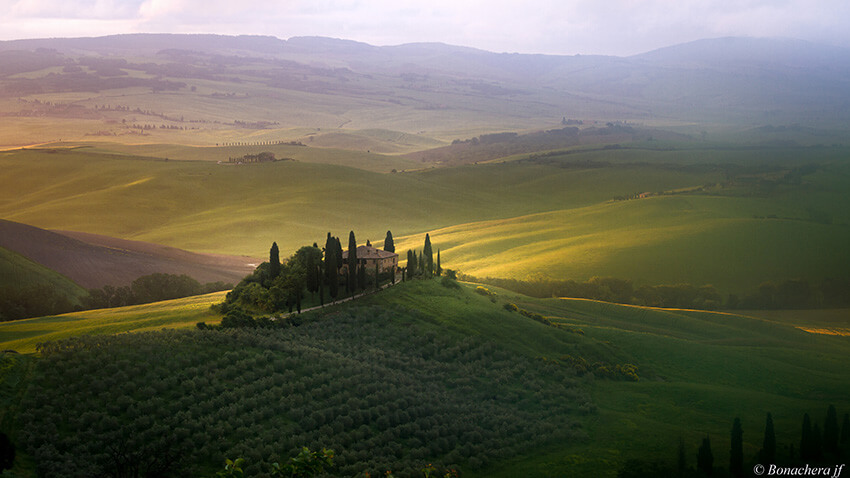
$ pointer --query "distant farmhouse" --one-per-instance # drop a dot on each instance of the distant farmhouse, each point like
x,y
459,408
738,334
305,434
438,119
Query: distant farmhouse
x,y
368,257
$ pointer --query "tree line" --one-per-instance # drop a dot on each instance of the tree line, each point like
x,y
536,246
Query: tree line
x,y
39,300
818,447
788,294
150,288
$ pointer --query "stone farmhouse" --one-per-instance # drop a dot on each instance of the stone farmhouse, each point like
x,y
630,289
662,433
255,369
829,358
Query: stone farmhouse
x,y
369,256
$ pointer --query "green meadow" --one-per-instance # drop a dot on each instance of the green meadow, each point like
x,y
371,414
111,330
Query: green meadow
x,y
698,370
24,335
551,215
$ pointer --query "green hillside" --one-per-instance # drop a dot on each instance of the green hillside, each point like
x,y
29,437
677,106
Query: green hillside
x,y
18,271
724,221
418,341
23,335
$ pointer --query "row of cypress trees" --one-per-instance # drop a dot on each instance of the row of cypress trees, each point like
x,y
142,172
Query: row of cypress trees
x,y
423,264
816,446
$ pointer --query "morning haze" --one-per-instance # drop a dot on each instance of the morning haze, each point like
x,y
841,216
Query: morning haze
x,y
584,265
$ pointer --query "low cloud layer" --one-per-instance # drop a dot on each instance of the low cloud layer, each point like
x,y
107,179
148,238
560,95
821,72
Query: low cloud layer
x,y
615,27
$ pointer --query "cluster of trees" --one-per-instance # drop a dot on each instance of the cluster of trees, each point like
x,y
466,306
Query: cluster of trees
x,y
827,446
423,264
177,403
796,294
277,286
264,157
789,294
150,288
33,301
325,272
42,299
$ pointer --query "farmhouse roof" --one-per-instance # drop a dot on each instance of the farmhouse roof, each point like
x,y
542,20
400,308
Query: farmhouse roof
x,y
369,252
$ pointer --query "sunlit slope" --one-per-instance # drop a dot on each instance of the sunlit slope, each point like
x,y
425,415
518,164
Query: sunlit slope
x,y
350,155
207,207
23,335
727,242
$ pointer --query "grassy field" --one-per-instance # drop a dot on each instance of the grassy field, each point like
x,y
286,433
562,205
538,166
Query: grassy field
x,y
23,335
698,370
546,216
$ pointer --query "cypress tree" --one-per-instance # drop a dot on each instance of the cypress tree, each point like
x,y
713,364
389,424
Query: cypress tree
x,y
705,459
321,285
411,264
428,257
736,454
7,453
389,245
352,263
817,443
682,462
439,268
806,439
831,431
767,455
361,277
332,266
274,261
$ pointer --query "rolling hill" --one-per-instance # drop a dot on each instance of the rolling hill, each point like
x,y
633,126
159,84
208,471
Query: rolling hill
x,y
92,261
777,368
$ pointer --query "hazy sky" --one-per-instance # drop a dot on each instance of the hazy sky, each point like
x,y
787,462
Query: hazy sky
x,y
612,27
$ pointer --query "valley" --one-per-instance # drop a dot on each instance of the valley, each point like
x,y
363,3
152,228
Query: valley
x,y
675,170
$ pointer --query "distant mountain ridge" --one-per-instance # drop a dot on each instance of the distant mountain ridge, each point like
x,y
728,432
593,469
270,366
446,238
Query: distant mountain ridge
x,y
741,80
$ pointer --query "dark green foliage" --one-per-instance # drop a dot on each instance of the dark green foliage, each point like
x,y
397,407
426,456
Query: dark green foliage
x,y
428,255
150,288
817,443
352,262
681,459
831,432
807,440
439,267
332,263
767,455
736,453
705,459
232,469
449,283
635,468
845,429
368,382
389,244
274,261
32,301
411,264
7,453
790,294
305,465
